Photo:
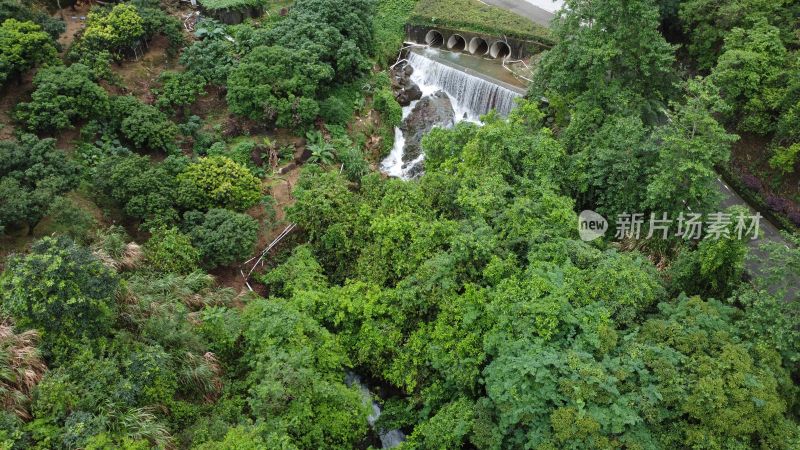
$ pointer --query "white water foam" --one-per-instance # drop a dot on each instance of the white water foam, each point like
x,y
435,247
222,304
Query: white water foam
x,y
389,439
471,97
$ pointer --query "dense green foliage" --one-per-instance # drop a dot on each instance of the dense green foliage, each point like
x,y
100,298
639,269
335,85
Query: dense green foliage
x,y
63,96
709,21
24,11
621,54
216,181
277,84
179,89
124,29
337,34
750,50
469,292
389,27
61,289
142,125
22,46
230,4
34,173
464,298
211,59
116,30
222,236
691,146
145,191
169,250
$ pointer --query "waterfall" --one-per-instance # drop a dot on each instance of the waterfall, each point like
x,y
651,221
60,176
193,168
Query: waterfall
x,y
471,94
471,97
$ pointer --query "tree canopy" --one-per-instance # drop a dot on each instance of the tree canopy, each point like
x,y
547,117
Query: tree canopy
x,y
213,259
23,45
34,173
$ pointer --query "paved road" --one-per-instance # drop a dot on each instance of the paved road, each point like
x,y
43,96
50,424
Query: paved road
x,y
524,9
758,259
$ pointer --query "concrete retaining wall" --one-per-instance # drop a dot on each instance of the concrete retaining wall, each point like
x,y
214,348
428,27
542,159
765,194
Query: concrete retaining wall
x,y
233,16
473,43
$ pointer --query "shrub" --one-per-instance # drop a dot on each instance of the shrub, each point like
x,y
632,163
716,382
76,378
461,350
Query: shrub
x,y
144,190
230,4
61,289
218,182
240,153
68,218
211,59
391,111
277,84
26,12
23,45
352,157
63,95
179,89
156,21
785,158
116,30
334,110
33,173
144,125
222,236
338,34
169,250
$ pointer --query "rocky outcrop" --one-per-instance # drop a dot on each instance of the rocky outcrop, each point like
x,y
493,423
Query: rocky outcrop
x,y
408,94
431,111
405,90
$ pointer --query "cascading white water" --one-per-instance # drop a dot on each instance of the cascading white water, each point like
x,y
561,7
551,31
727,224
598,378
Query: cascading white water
x,y
471,97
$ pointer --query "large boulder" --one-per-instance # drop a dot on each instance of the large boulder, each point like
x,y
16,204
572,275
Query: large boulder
x,y
408,93
405,90
432,111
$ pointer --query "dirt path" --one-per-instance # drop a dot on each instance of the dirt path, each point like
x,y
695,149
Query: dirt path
x,y
74,23
280,188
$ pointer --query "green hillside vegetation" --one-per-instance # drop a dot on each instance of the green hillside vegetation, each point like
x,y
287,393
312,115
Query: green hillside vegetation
x,y
197,250
473,15
232,4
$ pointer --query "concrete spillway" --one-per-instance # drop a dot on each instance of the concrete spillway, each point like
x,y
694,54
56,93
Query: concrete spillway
x,y
472,94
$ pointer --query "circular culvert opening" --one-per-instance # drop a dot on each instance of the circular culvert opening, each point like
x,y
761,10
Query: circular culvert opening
x,y
500,50
478,46
456,43
434,39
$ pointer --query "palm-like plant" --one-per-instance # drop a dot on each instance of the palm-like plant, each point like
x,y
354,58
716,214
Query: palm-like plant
x,y
322,151
21,368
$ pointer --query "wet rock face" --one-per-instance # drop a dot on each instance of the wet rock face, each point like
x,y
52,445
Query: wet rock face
x,y
408,94
405,90
431,111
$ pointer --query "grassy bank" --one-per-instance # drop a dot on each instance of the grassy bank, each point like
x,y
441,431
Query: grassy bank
x,y
390,20
472,15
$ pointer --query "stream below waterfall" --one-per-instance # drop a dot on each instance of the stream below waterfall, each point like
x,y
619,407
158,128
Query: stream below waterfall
x,y
389,439
471,95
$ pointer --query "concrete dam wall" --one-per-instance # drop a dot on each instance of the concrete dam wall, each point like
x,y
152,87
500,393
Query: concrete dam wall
x,y
473,43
